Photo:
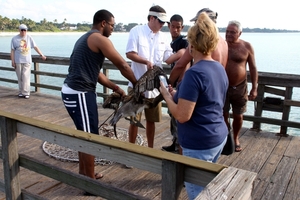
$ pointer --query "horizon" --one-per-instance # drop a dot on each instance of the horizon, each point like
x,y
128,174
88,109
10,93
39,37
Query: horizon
x,y
243,28
250,15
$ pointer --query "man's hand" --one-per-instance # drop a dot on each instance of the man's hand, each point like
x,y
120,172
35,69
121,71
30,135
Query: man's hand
x,y
252,95
120,91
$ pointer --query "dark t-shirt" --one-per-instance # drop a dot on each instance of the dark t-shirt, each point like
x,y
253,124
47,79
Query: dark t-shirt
x,y
177,44
205,84
84,66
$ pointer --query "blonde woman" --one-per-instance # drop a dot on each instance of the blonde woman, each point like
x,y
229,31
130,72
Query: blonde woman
x,y
198,103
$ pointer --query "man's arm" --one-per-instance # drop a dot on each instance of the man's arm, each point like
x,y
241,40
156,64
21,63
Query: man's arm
x,y
103,80
253,72
174,57
39,52
180,67
12,57
138,59
97,42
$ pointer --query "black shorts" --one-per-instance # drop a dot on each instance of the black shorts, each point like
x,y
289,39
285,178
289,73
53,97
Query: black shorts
x,y
83,110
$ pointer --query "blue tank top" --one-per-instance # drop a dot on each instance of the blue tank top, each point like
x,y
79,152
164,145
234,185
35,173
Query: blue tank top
x,y
85,66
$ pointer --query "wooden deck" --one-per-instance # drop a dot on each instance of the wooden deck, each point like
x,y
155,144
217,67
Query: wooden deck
x,y
274,158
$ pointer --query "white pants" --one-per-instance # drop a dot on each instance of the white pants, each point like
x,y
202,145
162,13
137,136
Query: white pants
x,y
23,71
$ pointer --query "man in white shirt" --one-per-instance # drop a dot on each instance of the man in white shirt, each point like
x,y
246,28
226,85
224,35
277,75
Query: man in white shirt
x,y
148,46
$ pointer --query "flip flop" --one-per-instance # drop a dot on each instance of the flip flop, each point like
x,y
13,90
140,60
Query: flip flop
x,y
238,148
98,175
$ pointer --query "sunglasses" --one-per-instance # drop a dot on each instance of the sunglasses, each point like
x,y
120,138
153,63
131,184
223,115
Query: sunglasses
x,y
112,25
23,30
161,22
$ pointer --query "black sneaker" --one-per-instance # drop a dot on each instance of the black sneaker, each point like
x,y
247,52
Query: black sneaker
x,y
170,148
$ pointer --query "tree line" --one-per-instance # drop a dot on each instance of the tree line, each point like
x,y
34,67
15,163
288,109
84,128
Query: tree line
x,y
11,25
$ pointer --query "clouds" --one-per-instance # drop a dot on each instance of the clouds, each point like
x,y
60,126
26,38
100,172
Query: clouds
x,y
254,14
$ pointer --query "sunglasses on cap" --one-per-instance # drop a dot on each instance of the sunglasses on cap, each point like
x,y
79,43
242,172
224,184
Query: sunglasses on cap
x,y
161,22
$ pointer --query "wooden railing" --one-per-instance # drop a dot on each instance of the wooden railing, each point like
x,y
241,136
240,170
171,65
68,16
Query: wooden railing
x,y
274,84
174,168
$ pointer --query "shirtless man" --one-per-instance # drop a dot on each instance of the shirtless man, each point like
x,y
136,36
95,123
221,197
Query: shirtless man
x,y
240,53
219,54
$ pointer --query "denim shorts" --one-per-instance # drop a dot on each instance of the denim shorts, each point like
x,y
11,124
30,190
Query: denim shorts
x,y
209,155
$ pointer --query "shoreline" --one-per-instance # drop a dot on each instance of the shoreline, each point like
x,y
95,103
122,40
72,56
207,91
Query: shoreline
x,y
50,33
42,33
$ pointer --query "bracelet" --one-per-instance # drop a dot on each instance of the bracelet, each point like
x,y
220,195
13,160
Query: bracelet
x,y
115,88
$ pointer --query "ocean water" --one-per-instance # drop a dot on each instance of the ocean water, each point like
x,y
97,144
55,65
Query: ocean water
x,y
274,52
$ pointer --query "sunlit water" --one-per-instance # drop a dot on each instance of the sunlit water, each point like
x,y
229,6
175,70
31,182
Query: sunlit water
x,y
274,52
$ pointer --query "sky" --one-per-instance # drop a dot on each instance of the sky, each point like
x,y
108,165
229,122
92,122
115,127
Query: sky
x,y
273,14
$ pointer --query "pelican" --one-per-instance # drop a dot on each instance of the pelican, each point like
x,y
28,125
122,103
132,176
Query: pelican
x,y
135,102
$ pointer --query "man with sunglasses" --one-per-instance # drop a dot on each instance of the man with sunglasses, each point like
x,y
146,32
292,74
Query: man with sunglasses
x,y
79,88
148,46
21,59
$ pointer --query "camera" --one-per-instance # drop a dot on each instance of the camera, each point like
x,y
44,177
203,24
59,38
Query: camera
x,y
163,79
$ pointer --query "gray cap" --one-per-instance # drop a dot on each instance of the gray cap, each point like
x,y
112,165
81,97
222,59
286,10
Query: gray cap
x,y
213,15
23,26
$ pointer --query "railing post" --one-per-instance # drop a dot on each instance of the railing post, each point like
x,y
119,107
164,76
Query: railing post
x,y
172,180
286,110
10,158
258,108
36,76
106,73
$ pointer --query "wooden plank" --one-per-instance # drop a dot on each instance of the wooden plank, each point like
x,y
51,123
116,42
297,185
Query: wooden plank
x,y
149,185
264,176
280,179
77,180
268,170
10,158
231,183
276,91
171,175
293,191
293,149
282,145
108,145
259,105
66,192
286,110
262,145
291,102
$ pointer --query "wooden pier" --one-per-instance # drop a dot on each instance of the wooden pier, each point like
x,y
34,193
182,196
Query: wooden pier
x,y
275,159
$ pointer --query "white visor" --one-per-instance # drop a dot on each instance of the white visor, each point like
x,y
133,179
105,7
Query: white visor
x,y
161,16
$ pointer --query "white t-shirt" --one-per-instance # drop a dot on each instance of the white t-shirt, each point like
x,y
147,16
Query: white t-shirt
x,y
22,47
154,47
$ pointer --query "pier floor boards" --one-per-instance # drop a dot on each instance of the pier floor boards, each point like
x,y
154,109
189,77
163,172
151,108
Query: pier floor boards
x,y
275,159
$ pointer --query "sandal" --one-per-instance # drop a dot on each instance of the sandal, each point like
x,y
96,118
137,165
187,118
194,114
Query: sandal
x,y
238,148
98,175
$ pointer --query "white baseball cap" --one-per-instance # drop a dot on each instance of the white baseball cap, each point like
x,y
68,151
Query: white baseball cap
x,y
23,26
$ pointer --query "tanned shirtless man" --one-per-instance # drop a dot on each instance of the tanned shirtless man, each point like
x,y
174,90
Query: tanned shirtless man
x,y
240,53
220,54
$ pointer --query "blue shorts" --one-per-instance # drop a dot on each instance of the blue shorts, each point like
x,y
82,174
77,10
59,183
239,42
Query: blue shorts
x,y
83,110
